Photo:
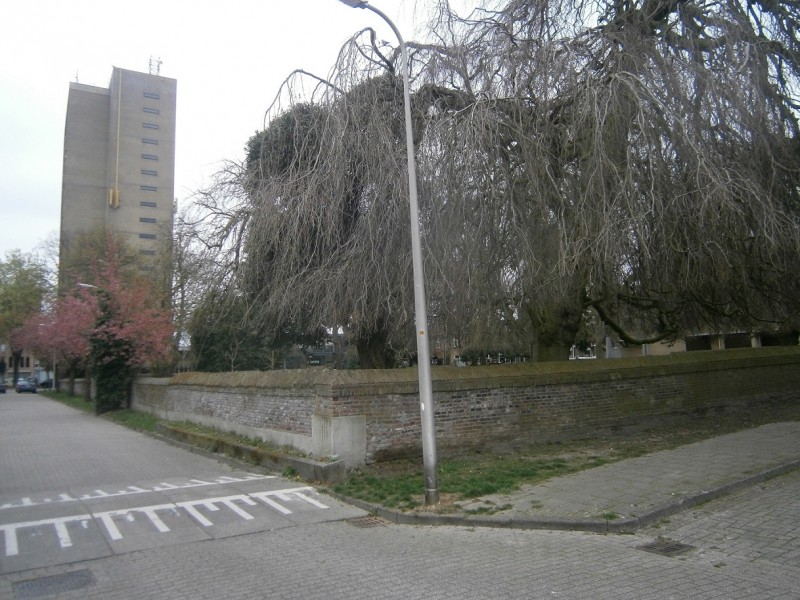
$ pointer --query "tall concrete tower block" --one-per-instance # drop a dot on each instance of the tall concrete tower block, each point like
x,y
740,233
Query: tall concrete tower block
x,y
119,162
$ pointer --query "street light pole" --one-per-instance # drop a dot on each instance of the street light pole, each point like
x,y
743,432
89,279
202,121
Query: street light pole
x,y
420,307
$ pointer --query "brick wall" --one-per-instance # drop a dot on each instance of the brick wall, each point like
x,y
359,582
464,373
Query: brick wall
x,y
476,406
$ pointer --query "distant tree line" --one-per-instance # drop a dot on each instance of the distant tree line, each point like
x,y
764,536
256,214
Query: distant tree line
x,y
105,319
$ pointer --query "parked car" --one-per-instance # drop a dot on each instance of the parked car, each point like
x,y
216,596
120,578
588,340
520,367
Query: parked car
x,y
47,384
26,385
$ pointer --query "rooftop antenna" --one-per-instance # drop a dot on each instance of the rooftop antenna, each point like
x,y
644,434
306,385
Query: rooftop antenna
x,y
76,76
155,66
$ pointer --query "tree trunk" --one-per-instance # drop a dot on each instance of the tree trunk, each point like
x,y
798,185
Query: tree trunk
x,y
16,359
555,332
373,352
549,353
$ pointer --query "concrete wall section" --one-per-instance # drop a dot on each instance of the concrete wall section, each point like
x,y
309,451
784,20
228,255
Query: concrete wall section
x,y
365,416
283,418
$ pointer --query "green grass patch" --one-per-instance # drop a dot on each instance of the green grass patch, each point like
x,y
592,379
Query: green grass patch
x,y
468,478
133,419
400,491
609,516
74,401
400,484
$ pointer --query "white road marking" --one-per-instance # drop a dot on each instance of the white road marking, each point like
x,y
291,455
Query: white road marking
x,y
132,489
106,518
60,524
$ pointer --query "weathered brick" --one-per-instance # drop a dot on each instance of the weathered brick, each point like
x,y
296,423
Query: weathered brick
x,y
476,406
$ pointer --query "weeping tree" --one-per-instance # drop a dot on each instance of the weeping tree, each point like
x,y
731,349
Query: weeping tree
x,y
327,241
637,159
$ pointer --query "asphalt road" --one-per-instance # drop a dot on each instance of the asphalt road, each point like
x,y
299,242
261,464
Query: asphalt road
x,y
89,509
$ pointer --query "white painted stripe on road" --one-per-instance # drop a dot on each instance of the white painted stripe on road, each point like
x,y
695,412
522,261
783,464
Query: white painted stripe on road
x,y
229,502
111,527
285,495
106,518
164,486
264,497
309,500
98,494
10,531
154,518
10,535
132,489
63,535
189,507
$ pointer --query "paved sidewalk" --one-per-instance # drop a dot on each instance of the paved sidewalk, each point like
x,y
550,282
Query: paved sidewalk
x,y
625,495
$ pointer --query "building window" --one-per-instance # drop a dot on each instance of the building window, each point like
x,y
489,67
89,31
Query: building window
x,y
151,111
150,141
148,204
152,95
148,188
150,172
150,156
147,220
150,125
147,236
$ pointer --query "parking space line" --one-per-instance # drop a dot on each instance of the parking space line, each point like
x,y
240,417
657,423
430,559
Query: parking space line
x,y
271,498
60,524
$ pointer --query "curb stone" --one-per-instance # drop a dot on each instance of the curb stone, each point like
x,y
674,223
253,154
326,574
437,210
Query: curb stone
x,y
619,526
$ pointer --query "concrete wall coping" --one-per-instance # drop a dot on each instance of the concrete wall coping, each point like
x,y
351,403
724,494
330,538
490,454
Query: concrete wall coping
x,y
331,383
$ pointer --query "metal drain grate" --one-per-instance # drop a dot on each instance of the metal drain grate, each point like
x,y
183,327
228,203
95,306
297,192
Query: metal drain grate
x,y
52,584
665,547
368,521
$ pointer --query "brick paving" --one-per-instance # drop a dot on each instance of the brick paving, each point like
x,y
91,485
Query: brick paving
x,y
339,561
756,527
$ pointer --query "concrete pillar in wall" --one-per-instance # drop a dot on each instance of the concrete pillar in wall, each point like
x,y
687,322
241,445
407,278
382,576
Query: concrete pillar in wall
x,y
342,437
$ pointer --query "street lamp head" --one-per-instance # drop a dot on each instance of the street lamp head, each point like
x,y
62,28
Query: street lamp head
x,y
355,3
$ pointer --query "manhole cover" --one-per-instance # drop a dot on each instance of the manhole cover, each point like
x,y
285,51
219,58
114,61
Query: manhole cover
x,y
665,547
52,584
368,521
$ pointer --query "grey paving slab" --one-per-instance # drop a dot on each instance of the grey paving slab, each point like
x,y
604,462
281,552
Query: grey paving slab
x,y
639,487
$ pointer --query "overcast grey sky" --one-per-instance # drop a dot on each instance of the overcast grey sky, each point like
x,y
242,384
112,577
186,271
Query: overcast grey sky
x,y
229,60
